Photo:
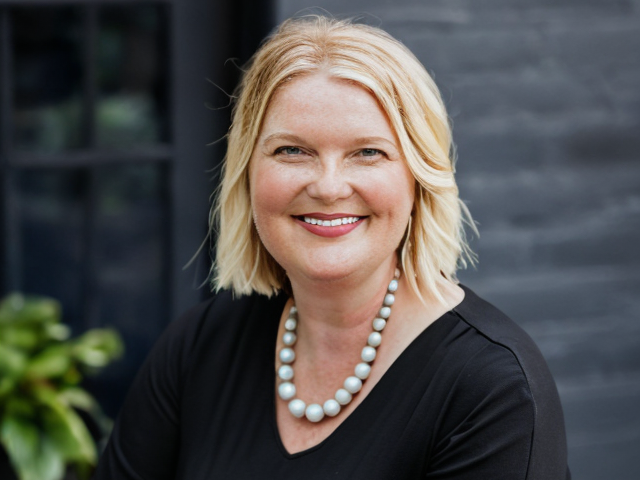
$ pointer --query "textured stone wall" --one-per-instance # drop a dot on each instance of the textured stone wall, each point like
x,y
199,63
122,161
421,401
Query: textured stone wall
x,y
545,100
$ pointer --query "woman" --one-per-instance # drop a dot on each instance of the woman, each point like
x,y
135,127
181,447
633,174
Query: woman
x,y
339,234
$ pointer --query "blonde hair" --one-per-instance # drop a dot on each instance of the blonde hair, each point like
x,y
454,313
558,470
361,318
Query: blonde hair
x,y
435,244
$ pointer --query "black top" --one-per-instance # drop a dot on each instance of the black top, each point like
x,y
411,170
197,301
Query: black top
x,y
470,398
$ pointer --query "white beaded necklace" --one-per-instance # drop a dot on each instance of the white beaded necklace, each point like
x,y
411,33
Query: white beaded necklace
x,y
352,385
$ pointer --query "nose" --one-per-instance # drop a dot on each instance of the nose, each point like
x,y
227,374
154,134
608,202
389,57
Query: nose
x,y
330,183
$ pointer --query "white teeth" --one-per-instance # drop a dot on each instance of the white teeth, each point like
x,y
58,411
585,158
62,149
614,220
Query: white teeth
x,y
331,223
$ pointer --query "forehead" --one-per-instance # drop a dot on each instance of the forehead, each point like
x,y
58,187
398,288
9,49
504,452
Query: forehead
x,y
320,100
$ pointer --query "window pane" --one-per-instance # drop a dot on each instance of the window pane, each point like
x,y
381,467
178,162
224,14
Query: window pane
x,y
130,230
132,74
105,259
47,71
51,224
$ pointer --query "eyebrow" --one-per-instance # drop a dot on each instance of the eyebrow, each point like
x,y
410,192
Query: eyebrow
x,y
283,136
296,139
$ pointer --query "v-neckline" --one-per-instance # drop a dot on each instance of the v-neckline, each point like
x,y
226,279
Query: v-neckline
x,y
352,417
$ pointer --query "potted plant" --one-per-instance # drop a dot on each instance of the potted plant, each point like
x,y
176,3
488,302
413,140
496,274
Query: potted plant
x,y
42,406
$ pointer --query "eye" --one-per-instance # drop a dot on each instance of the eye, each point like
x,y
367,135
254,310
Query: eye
x,y
288,151
370,152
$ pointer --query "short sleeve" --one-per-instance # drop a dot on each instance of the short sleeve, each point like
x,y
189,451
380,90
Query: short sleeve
x,y
487,424
144,443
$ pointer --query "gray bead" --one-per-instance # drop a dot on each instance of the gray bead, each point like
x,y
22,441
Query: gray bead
x,y
352,384
331,407
297,407
368,354
285,372
287,355
343,397
287,390
389,298
314,413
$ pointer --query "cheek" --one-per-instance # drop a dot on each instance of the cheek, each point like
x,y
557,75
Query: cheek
x,y
270,192
392,195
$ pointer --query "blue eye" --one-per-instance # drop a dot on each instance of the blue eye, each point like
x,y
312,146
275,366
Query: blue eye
x,y
370,152
288,151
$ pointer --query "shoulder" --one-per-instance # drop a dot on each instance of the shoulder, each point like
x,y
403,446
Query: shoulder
x,y
212,322
221,311
507,363
504,335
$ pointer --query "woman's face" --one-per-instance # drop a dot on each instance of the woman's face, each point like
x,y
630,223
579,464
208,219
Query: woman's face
x,y
330,191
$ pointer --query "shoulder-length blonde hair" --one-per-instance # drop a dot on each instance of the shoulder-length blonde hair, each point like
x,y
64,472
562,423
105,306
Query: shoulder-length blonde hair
x,y
435,243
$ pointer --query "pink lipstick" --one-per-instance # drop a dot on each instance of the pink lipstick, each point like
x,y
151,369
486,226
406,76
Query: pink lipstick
x,y
329,225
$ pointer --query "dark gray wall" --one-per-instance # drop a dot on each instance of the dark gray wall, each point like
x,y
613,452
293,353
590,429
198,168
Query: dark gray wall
x,y
545,99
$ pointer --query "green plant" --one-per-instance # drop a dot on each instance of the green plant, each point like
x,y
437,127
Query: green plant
x,y
40,397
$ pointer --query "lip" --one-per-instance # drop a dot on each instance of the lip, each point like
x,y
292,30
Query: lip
x,y
327,216
329,232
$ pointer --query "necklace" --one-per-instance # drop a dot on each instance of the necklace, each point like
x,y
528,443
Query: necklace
x,y
352,385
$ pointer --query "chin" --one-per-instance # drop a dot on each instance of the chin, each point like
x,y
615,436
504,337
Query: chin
x,y
329,271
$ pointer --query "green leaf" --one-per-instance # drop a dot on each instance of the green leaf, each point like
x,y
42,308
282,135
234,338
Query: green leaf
x,y
33,455
20,438
25,337
7,385
58,331
72,376
12,362
16,308
78,398
10,307
98,347
82,400
20,406
57,428
67,428
54,361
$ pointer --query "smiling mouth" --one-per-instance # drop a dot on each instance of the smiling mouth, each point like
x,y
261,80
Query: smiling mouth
x,y
334,222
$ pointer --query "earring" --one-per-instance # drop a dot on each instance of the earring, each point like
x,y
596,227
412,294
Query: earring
x,y
407,240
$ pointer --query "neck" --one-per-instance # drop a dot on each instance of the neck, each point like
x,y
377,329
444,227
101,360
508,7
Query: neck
x,y
332,312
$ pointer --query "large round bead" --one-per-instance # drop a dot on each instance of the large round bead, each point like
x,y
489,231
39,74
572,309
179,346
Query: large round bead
x,y
362,371
297,408
368,354
352,384
375,339
389,298
331,407
285,372
343,397
289,338
393,285
379,324
314,413
290,324
287,390
385,312
287,355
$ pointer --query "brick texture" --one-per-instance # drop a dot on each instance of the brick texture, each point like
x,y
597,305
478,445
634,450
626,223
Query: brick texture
x,y
545,100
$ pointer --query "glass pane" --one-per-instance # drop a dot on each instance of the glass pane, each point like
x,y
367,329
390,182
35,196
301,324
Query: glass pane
x,y
130,227
51,225
132,73
47,79
96,240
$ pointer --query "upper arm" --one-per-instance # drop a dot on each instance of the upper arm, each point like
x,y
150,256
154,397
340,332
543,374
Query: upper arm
x,y
487,424
144,443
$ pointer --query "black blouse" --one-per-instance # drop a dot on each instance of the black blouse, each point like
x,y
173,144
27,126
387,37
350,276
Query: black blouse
x,y
470,398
